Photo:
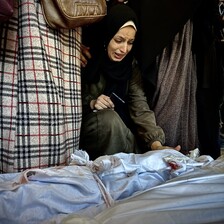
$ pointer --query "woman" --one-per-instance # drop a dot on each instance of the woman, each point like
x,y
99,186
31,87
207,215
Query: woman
x,y
107,127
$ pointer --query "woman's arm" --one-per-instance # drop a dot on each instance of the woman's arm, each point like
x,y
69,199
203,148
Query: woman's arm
x,y
143,117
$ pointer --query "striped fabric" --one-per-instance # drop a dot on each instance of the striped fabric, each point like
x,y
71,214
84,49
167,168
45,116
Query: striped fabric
x,y
40,91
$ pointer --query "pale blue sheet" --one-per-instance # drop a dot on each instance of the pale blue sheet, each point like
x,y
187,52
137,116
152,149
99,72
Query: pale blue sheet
x,y
37,196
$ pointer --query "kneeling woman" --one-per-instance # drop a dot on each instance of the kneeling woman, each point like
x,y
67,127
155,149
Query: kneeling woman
x,y
107,127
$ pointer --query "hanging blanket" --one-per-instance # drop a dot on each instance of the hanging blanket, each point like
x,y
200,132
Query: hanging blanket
x,y
40,91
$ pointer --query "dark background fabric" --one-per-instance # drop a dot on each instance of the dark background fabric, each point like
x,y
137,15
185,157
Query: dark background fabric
x,y
159,22
164,19
209,60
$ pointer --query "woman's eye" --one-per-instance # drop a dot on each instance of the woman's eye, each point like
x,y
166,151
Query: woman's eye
x,y
118,41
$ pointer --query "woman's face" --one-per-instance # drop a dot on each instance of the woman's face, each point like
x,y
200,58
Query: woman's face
x,y
121,44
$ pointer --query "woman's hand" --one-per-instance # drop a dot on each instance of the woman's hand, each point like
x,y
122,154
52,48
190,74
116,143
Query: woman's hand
x,y
102,102
158,146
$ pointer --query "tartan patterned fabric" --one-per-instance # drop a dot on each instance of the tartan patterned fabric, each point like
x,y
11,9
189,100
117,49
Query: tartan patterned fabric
x,y
40,91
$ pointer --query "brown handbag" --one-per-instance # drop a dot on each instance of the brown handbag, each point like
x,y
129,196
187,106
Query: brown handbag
x,y
69,14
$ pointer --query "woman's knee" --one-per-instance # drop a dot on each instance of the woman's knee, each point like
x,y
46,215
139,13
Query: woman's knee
x,y
109,118
102,122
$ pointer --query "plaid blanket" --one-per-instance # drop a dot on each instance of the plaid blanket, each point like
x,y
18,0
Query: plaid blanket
x,y
40,91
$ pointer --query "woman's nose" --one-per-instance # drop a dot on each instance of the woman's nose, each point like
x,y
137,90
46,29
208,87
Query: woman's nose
x,y
124,48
